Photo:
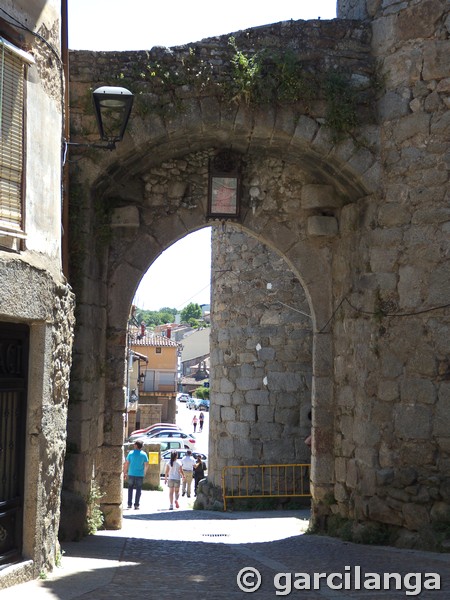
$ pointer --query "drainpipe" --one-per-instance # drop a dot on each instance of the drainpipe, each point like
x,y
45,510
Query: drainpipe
x,y
66,133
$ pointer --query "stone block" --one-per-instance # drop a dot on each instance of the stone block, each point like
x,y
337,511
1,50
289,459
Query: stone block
x,y
306,129
341,469
113,516
361,161
417,453
265,414
73,517
413,422
379,510
340,493
440,512
349,219
367,486
227,386
284,382
366,455
352,479
238,429
442,416
416,516
257,397
245,384
315,196
414,390
391,365
435,59
385,476
393,215
247,413
438,284
388,390
394,105
125,216
410,286
267,431
410,126
321,226
383,259
227,413
418,21
247,357
225,449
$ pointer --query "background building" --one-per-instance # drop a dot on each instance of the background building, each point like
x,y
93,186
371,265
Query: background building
x,y
157,378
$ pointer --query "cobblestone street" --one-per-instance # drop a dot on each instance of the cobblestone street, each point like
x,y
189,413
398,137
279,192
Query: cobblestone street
x,y
162,554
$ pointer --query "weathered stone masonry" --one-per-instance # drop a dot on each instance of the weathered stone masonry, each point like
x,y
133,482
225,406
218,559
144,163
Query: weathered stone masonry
x,y
362,222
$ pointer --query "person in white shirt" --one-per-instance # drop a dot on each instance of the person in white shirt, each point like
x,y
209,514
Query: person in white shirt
x,y
187,463
174,474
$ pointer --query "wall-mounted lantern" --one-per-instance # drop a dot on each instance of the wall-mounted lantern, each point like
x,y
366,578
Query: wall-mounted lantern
x,y
112,106
112,109
224,190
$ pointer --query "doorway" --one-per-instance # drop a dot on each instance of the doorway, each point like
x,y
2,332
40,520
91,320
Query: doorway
x,y
14,343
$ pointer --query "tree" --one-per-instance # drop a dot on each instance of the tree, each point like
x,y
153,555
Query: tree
x,y
201,393
191,311
155,317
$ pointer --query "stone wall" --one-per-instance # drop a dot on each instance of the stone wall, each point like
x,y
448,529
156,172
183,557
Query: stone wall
x,y
261,358
34,292
391,446
360,220
31,296
150,414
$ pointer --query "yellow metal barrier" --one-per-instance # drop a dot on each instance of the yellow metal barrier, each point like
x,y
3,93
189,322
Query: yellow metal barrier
x,y
265,481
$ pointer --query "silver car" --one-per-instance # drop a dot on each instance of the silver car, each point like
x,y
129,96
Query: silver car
x,y
165,458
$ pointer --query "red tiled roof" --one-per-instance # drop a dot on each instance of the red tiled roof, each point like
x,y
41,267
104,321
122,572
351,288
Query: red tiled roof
x,y
150,339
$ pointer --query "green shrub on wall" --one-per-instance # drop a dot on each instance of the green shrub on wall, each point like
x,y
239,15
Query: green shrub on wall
x,y
266,77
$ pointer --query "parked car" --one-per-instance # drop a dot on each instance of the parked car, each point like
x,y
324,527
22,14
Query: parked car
x,y
168,445
187,440
191,403
183,397
156,427
165,457
202,404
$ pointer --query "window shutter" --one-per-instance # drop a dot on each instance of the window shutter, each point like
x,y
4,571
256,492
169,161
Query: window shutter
x,y
11,138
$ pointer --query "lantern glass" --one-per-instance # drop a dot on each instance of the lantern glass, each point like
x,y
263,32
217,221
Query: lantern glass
x,y
112,109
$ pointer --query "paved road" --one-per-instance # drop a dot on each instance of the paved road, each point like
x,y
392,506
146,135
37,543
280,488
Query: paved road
x,y
198,554
184,420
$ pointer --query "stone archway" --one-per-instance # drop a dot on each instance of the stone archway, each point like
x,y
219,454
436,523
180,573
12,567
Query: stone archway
x,y
364,225
140,232
299,192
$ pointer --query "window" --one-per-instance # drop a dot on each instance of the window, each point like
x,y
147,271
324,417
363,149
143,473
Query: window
x,y
158,350
12,82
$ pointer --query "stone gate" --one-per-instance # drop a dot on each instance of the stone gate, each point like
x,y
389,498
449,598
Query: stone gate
x,y
346,180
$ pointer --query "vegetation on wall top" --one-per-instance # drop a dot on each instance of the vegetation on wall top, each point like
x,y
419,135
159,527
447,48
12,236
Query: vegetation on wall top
x,y
261,78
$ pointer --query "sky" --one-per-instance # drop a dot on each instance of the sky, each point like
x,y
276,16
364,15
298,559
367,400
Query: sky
x,y
104,25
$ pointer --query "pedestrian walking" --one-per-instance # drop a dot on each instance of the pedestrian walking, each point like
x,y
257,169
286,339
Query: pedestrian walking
x,y
134,470
199,472
173,475
194,422
201,420
187,464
